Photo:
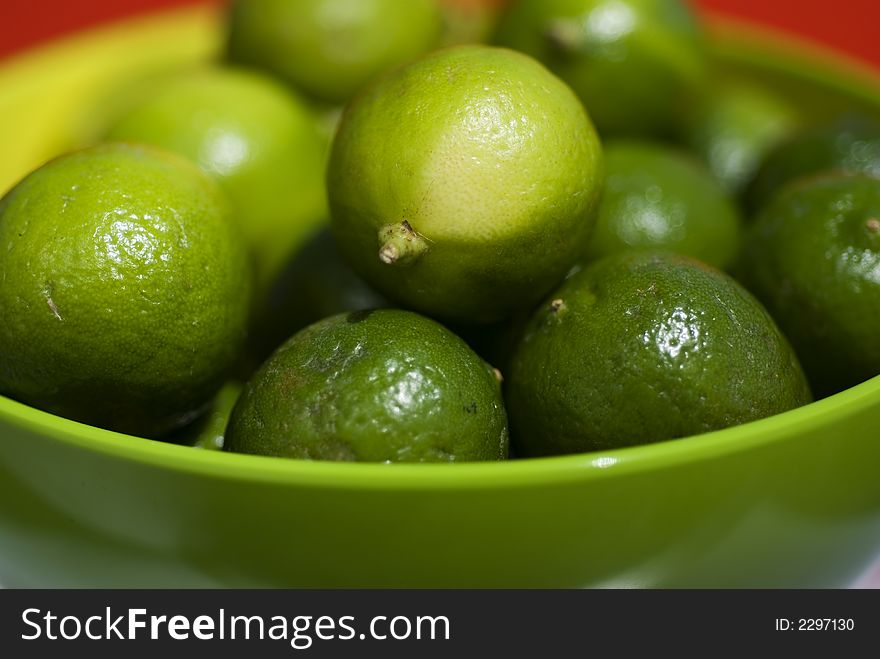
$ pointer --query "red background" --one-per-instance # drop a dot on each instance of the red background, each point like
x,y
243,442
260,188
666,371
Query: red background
x,y
848,25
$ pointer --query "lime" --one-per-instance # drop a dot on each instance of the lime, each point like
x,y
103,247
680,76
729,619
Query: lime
x,y
658,198
468,21
637,64
256,138
314,284
208,431
813,257
124,289
494,342
372,386
330,49
735,126
639,348
464,185
849,143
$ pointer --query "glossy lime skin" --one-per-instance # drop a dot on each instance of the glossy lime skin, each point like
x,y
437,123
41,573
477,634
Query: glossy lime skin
x,y
257,139
785,502
813,257
493,163
372,386
314,284
330,49
125,289
659,198
640,348
849,144
735,126
636,64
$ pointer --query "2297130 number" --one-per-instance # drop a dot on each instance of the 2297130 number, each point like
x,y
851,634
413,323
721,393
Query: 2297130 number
x,y
815,624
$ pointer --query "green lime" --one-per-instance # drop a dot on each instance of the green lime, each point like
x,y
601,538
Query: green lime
x,y
124,289
372,386
494,342
258,140
735,126
314,284
849,143
657,198
813,257
464,185
330,49
208,431
636,64
468,21
639,348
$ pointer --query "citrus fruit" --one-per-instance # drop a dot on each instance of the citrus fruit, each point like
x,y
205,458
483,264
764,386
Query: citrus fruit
x,y
637,64
468,21
372,386
813,257
208,431
314,284
494,342
124,289
735,126
849,143
330,49
257,139
464,185
639,348
658,198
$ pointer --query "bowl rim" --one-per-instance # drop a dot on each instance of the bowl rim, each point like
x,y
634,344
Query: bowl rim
x,y
474,475
732,40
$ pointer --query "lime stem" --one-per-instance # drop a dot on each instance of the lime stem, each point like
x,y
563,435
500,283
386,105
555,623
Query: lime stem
x,y
400,244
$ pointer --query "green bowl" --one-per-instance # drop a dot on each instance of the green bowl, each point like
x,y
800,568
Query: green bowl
x,y
790,501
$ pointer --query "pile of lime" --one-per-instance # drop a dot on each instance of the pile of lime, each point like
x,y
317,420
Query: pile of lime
x,y
445,230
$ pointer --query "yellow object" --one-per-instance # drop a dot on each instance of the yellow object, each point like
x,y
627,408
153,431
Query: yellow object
x,y
51,98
